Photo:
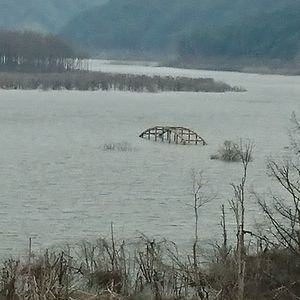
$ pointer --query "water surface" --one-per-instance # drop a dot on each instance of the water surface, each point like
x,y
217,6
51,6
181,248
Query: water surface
x,y
58,185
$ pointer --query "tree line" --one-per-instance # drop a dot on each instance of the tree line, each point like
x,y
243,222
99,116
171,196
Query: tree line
x,y
84,80
32,51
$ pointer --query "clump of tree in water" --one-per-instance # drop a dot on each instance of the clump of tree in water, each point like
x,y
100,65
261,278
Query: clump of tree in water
x,y
118,147
230,152
84,80
28,51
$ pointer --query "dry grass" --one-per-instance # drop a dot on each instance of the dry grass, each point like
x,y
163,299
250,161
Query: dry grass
x,y
107,269
118,147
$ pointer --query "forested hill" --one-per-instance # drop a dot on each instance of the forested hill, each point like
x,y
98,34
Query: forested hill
x,y
41,15
191,28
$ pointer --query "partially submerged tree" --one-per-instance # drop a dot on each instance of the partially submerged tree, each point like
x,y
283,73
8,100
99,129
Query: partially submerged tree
x,y
231,151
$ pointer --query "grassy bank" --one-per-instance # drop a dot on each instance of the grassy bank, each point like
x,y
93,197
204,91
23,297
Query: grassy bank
x,y
83,80
149,269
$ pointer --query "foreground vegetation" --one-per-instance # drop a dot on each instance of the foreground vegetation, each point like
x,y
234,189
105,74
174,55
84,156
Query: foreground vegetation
x,y
84,80
149,269
252,265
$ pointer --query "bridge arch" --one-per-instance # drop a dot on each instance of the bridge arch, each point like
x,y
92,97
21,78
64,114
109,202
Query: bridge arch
x,y
173,134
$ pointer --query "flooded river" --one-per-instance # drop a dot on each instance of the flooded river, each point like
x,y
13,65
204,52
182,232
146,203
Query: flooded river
x,y
58,185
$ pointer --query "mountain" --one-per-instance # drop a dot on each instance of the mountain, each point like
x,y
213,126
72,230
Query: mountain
x,y
271,34
191,28
42,15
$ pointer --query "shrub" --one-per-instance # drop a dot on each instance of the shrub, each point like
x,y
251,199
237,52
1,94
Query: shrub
x,y
230,151
120,147
214,156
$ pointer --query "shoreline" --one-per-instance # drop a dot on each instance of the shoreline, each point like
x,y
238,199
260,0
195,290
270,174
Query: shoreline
x,y
259,70
252,67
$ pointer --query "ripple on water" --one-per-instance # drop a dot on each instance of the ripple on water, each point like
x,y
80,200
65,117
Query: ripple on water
x,y
57,185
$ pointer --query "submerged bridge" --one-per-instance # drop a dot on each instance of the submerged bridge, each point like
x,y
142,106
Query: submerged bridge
x,y
171,134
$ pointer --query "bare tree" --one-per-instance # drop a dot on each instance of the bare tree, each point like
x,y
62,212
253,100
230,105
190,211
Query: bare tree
x,y
200,197
237,204
283,211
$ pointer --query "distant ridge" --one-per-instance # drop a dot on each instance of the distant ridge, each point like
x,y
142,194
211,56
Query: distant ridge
x,y
41,15
263,29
